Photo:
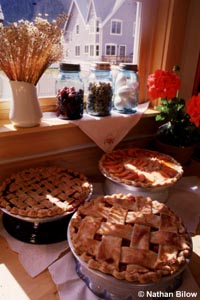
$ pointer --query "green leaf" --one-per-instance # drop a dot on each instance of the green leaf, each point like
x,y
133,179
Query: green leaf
x,y
160,117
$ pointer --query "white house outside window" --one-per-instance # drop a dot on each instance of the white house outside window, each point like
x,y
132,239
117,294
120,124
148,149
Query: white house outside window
x,y
97,50
77,50
110,49
77,29
122,50
116,27
97,26
86,49
150,33
91,50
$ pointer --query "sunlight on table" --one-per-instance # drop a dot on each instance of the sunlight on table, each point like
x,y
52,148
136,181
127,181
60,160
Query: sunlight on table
x,y
9,287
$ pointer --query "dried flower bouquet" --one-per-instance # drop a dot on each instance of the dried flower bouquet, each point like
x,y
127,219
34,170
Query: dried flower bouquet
x,y
27,48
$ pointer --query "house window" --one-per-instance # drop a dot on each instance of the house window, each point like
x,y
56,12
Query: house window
x,y
122,50
97,26
97,50
77,50
116,27
77,29
91,50
110,49
86,49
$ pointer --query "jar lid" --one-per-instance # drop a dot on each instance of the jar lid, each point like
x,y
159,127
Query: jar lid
x,y
100,66
69,67
128,66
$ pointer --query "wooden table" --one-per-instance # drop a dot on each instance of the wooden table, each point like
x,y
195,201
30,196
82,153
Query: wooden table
x,y
25,288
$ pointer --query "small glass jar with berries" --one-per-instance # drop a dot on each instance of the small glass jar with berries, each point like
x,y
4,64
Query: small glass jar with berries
x,y
69,92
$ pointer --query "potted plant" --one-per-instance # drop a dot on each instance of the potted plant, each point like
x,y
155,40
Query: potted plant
x,y
179,130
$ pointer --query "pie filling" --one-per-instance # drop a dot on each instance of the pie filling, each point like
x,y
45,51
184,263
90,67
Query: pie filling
x,y
140,167
43,192
130,237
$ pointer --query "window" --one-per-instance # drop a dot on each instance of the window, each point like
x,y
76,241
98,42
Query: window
x,y
91,50
77,29
86,49
122,50
116,27
77,50
156,42
110,49
97,26
97,50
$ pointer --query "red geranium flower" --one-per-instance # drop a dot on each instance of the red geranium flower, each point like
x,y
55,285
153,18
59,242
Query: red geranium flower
x,y
163,84
193,109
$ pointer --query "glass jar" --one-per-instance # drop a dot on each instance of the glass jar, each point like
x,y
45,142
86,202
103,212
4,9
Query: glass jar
x,y
69,92
99,98
126,89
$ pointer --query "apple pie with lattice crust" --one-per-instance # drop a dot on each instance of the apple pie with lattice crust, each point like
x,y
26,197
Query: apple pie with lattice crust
x,y
43,191
130,237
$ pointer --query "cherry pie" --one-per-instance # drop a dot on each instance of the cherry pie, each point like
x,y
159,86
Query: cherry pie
x,y
140,167
43,192
130,237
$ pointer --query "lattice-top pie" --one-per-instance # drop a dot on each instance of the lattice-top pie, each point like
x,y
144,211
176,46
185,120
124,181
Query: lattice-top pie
x,y
43,191
130,237
140,167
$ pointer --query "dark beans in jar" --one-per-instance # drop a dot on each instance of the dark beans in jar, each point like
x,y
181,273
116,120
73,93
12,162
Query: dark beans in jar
x,y
99,101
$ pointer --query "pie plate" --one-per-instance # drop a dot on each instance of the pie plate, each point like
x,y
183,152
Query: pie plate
x,y
109,288
45,219
111,186
139,171
36,230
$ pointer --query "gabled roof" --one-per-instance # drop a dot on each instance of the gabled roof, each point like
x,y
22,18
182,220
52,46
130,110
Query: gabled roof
x,y
82,6
116,6
104,9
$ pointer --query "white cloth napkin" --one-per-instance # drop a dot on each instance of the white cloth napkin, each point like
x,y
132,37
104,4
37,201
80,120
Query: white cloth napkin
x,y
34,258
70,286
108,131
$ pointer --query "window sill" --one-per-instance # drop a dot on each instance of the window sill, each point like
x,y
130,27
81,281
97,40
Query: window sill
x,y
58,141
49,122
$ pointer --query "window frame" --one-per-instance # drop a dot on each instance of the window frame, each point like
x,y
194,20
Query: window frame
x,y
161,43
97,26
120,47
97,50
77,50
77,29
111,45
86,49
117,22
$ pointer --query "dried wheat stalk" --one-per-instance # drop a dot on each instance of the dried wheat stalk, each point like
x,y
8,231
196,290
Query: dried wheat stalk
x,y
27,48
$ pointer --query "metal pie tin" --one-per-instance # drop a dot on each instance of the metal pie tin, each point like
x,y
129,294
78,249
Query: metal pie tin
x,y
156,193
46,219
110,288
44,230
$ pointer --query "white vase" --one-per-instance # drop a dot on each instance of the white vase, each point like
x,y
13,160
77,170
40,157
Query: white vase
x,y
25,110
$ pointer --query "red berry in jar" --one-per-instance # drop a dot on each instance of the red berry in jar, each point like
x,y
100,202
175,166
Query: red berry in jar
x,y
69,103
